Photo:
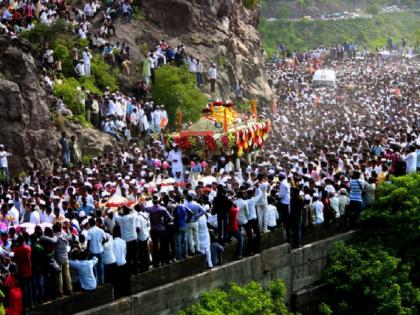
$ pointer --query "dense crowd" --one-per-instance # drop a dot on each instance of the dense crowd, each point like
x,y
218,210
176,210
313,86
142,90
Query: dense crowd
x,y
79,226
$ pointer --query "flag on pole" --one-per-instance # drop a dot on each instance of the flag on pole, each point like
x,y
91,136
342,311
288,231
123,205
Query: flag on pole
x,y
254,107
225,121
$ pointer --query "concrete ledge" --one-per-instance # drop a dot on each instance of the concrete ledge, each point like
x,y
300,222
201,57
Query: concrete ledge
x,y
272,264
269,264
76,302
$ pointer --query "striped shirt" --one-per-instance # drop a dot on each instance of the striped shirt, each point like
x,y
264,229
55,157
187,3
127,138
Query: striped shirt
x,y
356,189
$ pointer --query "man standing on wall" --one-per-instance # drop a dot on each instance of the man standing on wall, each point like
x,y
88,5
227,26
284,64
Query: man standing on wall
x,y
212,76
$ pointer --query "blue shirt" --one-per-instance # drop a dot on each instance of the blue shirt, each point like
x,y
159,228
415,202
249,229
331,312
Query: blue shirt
x,y
85,271
196,210
87,209
180,213
356,189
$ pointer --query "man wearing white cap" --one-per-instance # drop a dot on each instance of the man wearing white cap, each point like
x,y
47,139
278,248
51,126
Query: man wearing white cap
x,y
175,157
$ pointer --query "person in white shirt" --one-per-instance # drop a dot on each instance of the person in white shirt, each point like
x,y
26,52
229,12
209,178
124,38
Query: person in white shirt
x,y
175,157
122,276
34,217
80,69
13,213
127,222
411,160
344,201
204,239
95,240
87,56
252,228
335,203
84,268
318,209
4,166
109,259
143,232
262,203
47,216
272,217
284,204
212,76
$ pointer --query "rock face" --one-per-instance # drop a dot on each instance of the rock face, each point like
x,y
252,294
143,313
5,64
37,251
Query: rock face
x,y
26,123
220,31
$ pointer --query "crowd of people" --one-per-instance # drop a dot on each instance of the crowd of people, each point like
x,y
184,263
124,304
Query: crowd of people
x,y
79,226
329,150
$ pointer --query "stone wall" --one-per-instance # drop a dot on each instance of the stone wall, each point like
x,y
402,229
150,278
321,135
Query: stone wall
x,y
299,268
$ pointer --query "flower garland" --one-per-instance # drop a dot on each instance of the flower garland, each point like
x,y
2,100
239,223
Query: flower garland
x,y
244,140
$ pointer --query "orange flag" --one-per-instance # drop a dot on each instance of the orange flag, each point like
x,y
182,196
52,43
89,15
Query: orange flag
x,y
225,121
163,122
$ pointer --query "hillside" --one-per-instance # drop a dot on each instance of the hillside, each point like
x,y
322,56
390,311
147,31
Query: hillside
x,y
369,32
222,32
316,8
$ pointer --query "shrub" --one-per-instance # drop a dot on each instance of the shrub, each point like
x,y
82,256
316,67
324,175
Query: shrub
x,y
42,34
250,4
103,74
242,300
69,93
379,273
176,89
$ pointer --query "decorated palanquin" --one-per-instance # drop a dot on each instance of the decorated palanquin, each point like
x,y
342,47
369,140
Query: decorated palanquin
x,y
222,129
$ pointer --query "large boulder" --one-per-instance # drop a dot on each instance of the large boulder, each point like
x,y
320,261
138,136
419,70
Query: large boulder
x,y
220,31
26,121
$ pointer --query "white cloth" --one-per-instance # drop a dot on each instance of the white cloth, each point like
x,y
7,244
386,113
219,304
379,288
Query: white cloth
x,y
272,215
109,257
96,235
34,218
319,212
143,223
411,162
128,226
120,251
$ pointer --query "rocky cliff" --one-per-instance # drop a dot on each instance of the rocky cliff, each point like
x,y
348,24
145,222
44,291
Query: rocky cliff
x,y
220,31
26,123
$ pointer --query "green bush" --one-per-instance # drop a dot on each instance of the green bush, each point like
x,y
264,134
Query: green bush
x,y
176,89
379,273
249,299
68,92
103,74
42,34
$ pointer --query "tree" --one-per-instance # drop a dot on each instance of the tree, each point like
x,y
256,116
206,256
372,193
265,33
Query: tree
x,y
283,12
379,273
43,34
368,280
176,89
250,299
